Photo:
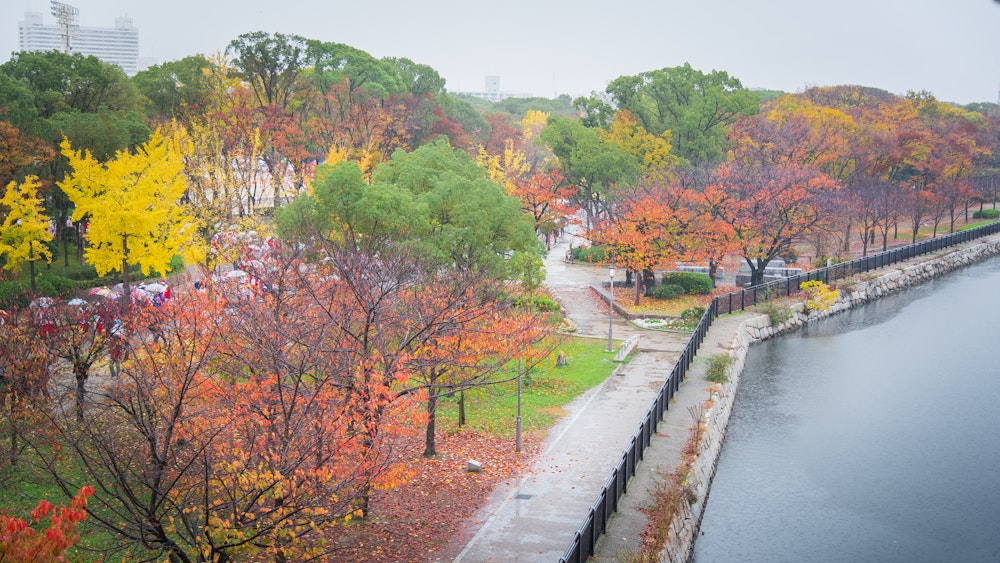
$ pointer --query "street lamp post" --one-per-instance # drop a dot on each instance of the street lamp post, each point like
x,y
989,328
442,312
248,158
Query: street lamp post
x,y
611,305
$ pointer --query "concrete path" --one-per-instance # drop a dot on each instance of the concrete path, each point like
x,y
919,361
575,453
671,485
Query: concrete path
x,y
536,518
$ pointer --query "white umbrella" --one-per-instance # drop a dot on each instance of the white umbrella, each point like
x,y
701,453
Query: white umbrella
x,y
155,287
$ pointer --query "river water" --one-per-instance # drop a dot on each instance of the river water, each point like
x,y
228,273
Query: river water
x,y
873,435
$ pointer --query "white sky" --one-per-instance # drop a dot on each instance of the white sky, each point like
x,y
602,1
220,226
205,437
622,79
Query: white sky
x,y
550,47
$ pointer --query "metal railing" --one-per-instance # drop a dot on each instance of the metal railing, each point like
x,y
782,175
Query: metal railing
x,y
585,539
740,300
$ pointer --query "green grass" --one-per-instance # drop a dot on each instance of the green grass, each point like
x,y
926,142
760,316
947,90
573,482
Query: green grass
x,y
544,393
975,224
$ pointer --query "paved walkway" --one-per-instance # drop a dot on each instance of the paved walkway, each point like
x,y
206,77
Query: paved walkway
x,y
536,518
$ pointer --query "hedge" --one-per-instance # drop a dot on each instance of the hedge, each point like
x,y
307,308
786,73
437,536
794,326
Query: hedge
x,y
692,283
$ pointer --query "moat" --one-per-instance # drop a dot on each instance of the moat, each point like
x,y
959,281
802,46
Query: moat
x,y
868,436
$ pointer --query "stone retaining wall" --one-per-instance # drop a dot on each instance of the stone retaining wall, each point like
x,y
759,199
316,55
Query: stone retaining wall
x,y
853,292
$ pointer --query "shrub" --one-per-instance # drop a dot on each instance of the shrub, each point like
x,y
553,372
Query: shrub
x,y
538,303
717,365
775,313
986,214
821,297
591,253
82,272
665,291
691,282
692,315
14,294
56,286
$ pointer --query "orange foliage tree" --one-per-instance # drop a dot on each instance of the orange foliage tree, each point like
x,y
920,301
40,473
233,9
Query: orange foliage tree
x,y
766,207
243,430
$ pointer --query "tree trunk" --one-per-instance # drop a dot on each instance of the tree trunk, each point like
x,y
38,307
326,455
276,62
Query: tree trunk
x,y
431,408
12,411
461,408
757,268
80,371
79,244
65,241
125,285
31,265
638,288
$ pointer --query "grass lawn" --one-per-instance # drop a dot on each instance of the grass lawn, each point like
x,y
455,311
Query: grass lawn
x,y
544,393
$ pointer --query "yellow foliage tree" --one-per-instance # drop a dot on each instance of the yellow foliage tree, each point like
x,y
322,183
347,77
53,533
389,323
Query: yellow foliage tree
x,y
652,152
25,229
132,202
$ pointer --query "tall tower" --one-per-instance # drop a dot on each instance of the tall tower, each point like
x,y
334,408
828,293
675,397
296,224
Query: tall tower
x,y
66,17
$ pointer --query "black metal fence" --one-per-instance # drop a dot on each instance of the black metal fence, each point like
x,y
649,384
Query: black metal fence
x,y
585,540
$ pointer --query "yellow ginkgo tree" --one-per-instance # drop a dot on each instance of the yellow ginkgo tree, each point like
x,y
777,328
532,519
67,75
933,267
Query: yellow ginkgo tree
x,y
25,230
132,203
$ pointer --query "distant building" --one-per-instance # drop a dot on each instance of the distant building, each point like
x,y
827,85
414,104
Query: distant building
x,y
493,92
118,45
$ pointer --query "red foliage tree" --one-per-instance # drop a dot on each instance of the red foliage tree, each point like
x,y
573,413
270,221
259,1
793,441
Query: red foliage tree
x,y
20,542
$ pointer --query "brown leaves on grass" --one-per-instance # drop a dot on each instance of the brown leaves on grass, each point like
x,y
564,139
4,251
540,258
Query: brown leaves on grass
x,y
433,514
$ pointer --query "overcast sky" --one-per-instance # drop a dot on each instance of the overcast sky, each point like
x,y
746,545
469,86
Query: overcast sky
x,y
548,47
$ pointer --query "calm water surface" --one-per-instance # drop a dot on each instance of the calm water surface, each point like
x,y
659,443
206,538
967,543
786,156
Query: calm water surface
x,y
870,436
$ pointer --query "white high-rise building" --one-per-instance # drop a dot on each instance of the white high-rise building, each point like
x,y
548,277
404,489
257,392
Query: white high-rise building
x,y
118,45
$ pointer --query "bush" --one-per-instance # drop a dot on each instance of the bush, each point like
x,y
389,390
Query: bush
x,y
692,315
717,365
986,214
538,303
665,291
14,294
775,313
591,253
821,297
82,272
691,282
56,286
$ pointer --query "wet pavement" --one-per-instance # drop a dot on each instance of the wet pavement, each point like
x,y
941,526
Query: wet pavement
x,y
537,517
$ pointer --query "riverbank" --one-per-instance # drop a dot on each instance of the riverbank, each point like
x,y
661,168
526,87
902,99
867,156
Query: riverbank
x,y
854,292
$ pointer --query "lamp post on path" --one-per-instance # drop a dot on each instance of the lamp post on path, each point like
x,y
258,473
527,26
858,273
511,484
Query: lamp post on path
x,y
611,305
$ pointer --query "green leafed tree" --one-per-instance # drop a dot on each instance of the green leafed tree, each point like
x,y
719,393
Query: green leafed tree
x,y
132,204
436,202
697,107
593,166
25,229
174,89
271,64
